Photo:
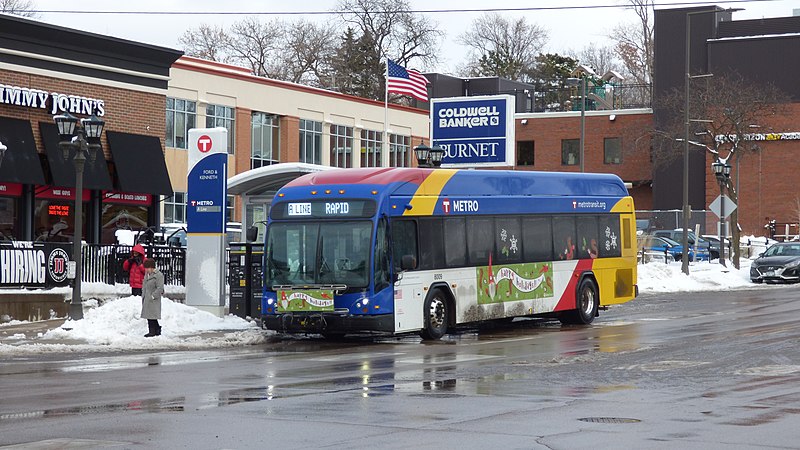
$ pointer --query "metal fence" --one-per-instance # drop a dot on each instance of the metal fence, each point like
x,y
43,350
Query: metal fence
x,y
103,263
624,96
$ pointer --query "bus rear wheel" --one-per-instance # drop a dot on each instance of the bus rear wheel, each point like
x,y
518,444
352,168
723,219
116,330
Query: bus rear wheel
x,y
436,316
586,303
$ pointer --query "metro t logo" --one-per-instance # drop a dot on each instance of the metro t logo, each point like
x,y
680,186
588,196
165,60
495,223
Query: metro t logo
x,y
446,205
574,204
204,144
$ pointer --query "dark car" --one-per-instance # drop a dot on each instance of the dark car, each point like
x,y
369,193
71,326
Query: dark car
x,y
779,264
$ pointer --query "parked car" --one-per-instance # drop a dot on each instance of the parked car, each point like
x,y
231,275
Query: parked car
x,y
694,241
713,242
661,245
779,263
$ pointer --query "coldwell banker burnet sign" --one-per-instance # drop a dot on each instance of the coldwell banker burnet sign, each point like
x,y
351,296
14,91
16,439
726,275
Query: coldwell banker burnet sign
x,y
474,131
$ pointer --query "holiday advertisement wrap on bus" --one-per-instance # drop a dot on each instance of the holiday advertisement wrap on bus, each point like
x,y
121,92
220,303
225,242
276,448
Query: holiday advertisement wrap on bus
x,y
474,131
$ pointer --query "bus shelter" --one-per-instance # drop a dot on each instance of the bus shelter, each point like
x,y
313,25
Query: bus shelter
x,y
257,187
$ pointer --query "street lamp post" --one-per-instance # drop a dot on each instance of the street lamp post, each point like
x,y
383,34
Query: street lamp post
x,y
722,171
428,157
575,82
81,143
686,207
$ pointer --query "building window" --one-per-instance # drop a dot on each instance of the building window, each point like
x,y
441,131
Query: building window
x,y
570,152
371,144
310,141
222,116
399,150
264,141
525,153
612,151
181,116
230,208
175,208
341,146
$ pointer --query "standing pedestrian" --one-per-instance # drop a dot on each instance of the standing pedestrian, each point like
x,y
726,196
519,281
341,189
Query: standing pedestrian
x,y
133,265
152,290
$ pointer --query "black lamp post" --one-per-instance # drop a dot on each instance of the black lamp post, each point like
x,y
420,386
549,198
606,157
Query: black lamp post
x,y
428,157
722,171
81,143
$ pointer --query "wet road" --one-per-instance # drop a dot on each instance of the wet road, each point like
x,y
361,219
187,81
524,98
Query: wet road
x,y
706,370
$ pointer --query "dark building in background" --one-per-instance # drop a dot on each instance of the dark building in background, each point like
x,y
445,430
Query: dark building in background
x,y
443,86
762,51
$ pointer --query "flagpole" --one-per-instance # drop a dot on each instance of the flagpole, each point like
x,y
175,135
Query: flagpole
x,y
385,153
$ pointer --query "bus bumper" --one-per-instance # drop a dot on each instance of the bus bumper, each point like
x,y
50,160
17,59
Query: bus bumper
x,y
309,322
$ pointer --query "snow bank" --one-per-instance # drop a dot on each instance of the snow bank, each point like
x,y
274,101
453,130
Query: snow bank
x,y
116,325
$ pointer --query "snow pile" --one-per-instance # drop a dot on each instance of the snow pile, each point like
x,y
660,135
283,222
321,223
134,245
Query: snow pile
x,y
116,325
703,276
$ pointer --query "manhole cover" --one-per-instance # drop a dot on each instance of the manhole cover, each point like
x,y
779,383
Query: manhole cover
x,y
609,420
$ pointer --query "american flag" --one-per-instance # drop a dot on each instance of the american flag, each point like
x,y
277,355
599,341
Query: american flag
x,y
406,81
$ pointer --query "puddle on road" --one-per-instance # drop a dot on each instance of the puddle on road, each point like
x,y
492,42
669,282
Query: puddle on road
x,y
153,406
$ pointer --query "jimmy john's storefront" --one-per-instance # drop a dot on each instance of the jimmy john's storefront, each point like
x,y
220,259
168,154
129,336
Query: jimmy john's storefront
x,y
47,70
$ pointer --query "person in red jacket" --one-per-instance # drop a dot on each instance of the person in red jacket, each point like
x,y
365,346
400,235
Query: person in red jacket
x,y
134,265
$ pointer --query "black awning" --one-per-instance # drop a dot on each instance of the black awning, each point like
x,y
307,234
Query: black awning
x,y
95,176
140,163
19,163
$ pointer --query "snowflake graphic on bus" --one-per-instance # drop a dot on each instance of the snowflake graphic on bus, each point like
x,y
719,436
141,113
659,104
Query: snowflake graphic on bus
x,y
513,282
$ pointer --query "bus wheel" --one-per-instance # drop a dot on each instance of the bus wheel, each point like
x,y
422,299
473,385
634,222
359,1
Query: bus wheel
x,y
436,314
586,303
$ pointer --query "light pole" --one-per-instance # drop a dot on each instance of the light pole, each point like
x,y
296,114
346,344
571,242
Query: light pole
x,y
574,82
686,207
81,143
722,171
428,157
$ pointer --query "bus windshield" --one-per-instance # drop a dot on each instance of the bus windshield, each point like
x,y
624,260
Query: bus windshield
x,y
327,253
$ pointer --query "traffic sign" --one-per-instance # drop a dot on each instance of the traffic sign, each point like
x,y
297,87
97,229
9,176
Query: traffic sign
x,y
716,206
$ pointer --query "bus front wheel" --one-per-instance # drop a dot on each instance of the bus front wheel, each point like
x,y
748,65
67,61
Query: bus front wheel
x,y
437,315
586,303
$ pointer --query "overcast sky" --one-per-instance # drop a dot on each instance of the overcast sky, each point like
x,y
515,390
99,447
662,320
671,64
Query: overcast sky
x,y
568,28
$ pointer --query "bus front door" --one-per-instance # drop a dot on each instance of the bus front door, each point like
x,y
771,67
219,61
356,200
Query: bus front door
x,y
409,298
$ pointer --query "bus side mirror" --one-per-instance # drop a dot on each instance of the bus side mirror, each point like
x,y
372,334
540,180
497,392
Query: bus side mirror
x,y
252,234
408,262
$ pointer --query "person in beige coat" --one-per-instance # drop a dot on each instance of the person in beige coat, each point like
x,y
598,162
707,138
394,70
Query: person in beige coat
x,y
152,290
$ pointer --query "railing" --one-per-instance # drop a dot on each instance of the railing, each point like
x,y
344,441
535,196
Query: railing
x,y
609,97
103,263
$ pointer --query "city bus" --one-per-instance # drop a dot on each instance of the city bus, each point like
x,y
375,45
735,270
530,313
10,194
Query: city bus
x,y
407,250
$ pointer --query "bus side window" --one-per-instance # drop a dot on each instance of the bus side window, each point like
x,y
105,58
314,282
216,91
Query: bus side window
x,y
610,240
480,240
537,239
431,244
404,241
564,237
455,235
588,243
381,257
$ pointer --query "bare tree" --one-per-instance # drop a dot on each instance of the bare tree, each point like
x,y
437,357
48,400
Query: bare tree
x,y
730,107
503,47
393,31
308,52
600,57
634,43
255,44
207,42
24,8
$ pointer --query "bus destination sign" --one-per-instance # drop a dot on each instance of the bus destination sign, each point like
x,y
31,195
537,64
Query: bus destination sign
x,y
324,209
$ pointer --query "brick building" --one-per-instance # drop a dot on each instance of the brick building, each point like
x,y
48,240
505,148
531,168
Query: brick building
x,y
46,70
